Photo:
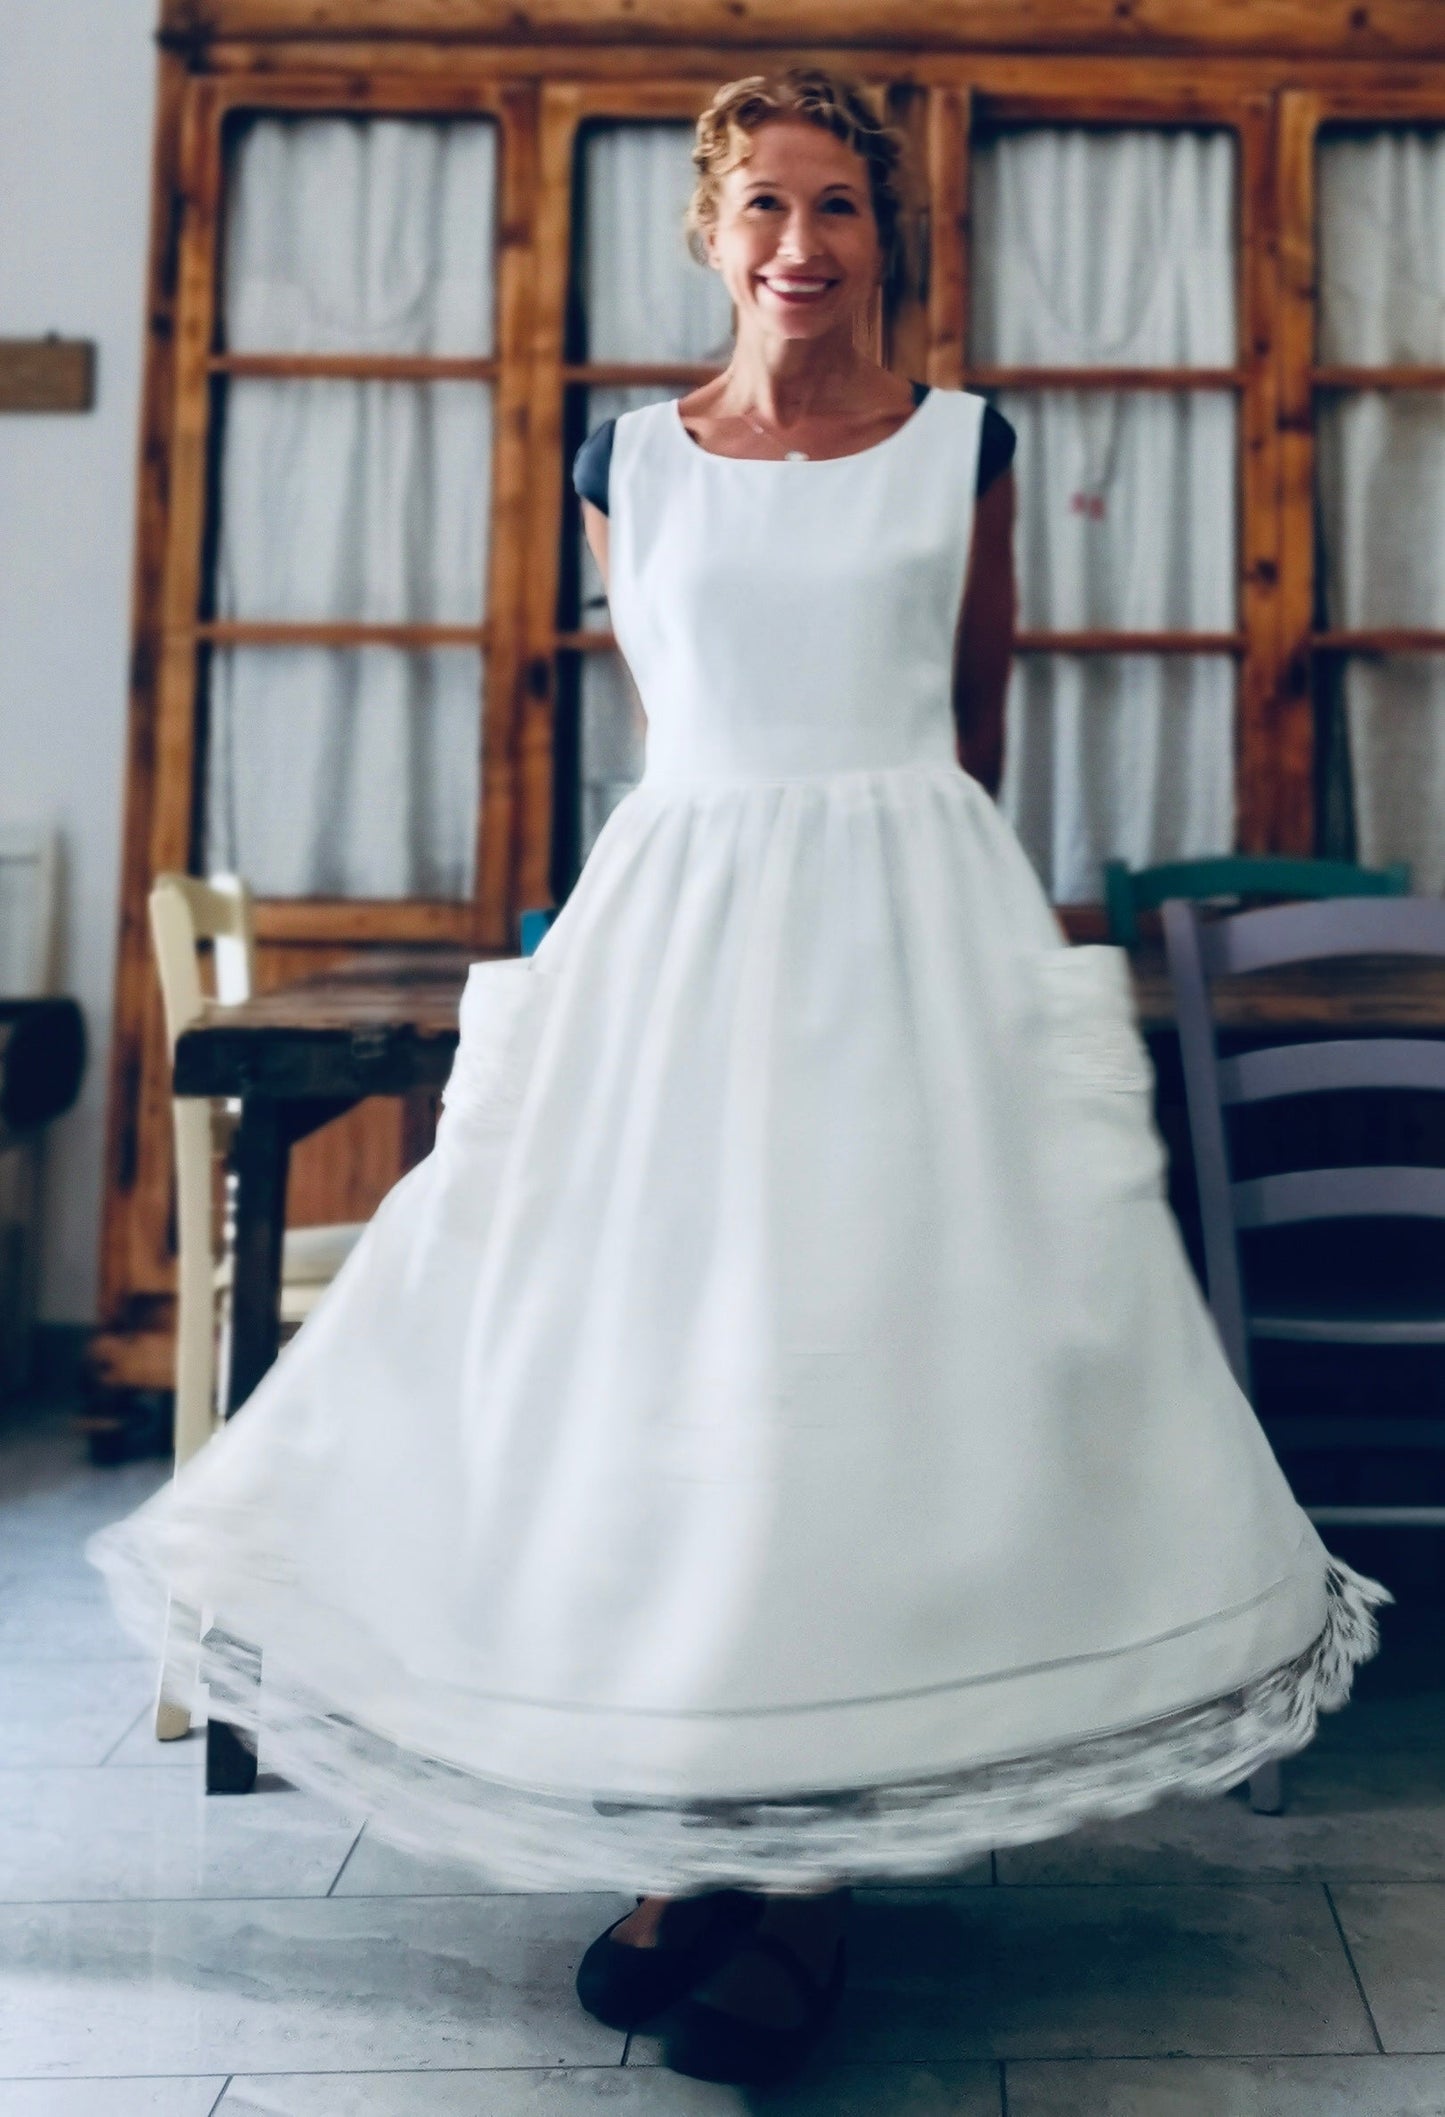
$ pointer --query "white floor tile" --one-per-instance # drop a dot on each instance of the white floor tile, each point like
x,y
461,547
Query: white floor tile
x,y
139,1834
373,1984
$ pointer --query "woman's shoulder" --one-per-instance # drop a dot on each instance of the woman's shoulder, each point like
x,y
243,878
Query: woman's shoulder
x,y
592,464
997,438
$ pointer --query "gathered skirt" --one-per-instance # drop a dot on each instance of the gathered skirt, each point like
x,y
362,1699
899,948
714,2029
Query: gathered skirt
x,y
776,1436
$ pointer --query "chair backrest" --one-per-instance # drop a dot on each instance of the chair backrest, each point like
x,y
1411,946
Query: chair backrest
x,y
1246,942
185,914
1128,891
28,905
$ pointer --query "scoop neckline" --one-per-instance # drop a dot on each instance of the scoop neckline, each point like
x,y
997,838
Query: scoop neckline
x,y
799,462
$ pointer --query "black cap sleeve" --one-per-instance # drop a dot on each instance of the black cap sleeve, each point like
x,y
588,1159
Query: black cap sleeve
x,y
592,465
996,444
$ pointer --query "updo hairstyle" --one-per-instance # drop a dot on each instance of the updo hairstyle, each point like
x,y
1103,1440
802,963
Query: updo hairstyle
x,y
819,97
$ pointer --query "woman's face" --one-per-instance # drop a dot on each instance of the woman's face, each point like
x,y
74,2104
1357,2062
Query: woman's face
x,y
795,238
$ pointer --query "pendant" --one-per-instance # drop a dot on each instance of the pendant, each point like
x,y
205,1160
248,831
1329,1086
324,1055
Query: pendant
x,y
797,455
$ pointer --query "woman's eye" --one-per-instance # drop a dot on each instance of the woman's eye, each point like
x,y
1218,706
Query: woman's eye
x,y
762,198
839,205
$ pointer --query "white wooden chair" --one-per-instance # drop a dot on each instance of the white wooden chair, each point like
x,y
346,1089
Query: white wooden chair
x,y
185,916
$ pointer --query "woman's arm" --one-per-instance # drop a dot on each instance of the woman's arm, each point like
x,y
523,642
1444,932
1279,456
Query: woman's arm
x,y
594,526
984,646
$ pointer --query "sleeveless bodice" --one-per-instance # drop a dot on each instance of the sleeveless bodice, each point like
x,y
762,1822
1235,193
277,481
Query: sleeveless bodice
x,y
793,619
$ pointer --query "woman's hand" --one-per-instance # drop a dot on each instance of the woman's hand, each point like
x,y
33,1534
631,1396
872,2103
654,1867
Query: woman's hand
x,y
984,645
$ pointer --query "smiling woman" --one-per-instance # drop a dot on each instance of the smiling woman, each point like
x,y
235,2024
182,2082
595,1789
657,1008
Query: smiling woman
x,y
757,1451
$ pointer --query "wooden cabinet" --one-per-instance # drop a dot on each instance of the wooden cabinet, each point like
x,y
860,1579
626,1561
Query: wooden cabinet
x,y
371,670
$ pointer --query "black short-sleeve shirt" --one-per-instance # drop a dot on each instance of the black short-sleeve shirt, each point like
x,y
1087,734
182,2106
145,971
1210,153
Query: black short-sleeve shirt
x,y
591,467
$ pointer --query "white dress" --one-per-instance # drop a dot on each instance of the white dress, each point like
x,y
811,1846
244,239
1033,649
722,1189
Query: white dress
x,y
776,1436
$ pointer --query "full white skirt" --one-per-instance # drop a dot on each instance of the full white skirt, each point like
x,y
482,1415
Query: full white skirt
x,y
776,1436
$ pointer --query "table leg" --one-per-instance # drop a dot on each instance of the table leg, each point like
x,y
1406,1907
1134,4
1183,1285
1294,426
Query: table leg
x,y
259,1159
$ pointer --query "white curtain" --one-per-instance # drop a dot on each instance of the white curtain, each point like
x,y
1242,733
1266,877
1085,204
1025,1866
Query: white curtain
x,y
1381,481
1102,249
642,298
353,772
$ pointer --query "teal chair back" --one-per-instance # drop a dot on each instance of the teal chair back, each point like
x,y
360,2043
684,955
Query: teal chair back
x,y
1128,891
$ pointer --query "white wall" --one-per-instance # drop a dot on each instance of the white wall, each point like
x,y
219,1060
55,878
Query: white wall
x,y
76,93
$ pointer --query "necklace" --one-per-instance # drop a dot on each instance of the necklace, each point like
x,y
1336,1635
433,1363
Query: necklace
x,y
790,455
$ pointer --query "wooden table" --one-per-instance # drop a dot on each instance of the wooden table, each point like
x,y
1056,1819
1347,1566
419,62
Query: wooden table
x,y
301,1056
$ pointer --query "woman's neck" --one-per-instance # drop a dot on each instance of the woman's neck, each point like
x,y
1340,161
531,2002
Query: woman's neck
x,y
786,380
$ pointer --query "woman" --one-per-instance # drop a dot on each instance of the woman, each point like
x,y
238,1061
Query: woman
x,y
775,1440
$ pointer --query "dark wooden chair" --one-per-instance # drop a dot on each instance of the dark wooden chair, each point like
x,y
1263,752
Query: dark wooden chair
x,y
1365,1308
1128,891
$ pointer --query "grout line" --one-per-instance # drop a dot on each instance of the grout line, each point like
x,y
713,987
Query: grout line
x,y
1350,1959
591,2065
124,1736
1002,2088
626,2047
225,2084
361,1832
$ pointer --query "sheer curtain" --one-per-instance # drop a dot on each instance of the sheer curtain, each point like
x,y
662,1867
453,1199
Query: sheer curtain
x,y
353,772
642,298
1115,248
1381,479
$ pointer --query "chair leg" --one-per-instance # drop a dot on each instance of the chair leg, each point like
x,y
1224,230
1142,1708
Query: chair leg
x,y
180,1672
231,1745
1266,1790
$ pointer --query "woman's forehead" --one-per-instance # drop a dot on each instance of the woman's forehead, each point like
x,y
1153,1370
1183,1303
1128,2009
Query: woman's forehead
x,y
791,148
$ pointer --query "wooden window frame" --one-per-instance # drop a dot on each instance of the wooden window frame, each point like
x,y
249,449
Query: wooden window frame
x,y
212,105
1304,114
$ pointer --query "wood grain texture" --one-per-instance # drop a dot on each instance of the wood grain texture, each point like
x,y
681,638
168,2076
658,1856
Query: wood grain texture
x,y
47,374
134,985
947,129
1255,747
1411,28
1291,790
513,481
562,107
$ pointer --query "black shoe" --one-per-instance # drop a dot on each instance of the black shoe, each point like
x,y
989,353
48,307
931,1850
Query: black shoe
x,y
706,2043
624,1987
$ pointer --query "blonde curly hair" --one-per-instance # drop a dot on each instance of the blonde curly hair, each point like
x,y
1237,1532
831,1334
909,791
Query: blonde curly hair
x,y
819,97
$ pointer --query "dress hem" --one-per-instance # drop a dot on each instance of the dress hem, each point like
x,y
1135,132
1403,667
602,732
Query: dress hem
x,y
535,1839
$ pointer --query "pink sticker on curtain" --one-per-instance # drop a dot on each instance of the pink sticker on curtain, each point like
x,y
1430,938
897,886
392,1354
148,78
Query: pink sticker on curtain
x,y
1087,503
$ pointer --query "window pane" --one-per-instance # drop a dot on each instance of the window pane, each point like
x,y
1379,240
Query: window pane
x,y
640,294
1381,472
1382,247
1118,757
1127,509
344,774
359,500
361,235
1103,248
1395,723
613,729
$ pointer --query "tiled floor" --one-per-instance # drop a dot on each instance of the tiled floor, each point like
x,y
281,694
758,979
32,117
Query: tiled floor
x,y
162,1955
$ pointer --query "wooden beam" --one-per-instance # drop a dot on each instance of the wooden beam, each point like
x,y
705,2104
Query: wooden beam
x,y
1255,747
1381,378
47,374
1366,28
1095,640
1293,825
353,367
324,632
1095,378
1380,639
947,258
